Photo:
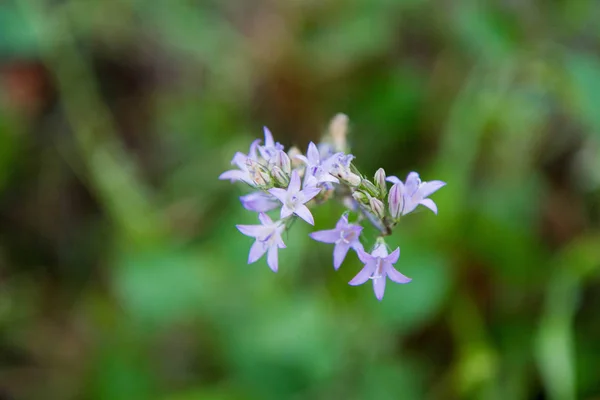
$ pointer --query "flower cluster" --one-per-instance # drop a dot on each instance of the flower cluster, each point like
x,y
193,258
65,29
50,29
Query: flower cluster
x,y
292,183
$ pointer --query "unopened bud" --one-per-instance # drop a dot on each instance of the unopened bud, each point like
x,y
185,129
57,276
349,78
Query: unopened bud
x,y
379,180
282,160
351,179
377,207
281,178
259,175
369,187
396,200
361,197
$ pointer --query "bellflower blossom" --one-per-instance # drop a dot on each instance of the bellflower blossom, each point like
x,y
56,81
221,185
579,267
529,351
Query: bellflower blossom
x,y
268,239
293,199
241,161
270,148
378,266
316,166
345,236
407,196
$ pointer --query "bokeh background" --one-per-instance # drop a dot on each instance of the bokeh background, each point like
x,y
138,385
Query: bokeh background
x,y
122,275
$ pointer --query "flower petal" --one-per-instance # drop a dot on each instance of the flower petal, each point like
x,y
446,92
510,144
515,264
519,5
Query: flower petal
x,y
285,212
251,230
393,179
430,204
309,193
428,188
265,219
269,142
294,186
379,287
259,202
303,212
412,183
272,260
409,206
393,257
302,158
312,154
363,275
339,254
396,276
342,222
380,251
234,175
280,194
257,250
364,256
326,236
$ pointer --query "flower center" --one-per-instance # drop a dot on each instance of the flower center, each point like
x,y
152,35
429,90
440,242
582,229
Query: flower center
x,y
347,236
379,272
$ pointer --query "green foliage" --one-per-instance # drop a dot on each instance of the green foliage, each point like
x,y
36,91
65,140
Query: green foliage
x,y
122,275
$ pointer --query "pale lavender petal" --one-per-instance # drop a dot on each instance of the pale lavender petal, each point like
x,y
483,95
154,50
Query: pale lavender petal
x,y
380,251
312,154
326,236
393,179
342,222
303,212
326,177
396,276
294,186
259,202
280,194
302,158
430,204
393,257
235,175
339,254
412,183
251,230
363,275
269,142
428,188
409,206
356,245
257,250
239,159
379,287
272,260
285,212
264,219
309,193
253,147
364,256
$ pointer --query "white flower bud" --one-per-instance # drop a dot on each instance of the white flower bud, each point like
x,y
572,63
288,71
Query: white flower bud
x,y
377,207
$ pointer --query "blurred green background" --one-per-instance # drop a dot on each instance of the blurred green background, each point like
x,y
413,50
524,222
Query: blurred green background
x,y
122,275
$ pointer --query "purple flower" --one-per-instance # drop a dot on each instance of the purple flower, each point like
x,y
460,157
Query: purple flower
x,y
268,238
293,199
378,266
259,202
339,165
405,197
241,161
316,170
270,148
345,236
